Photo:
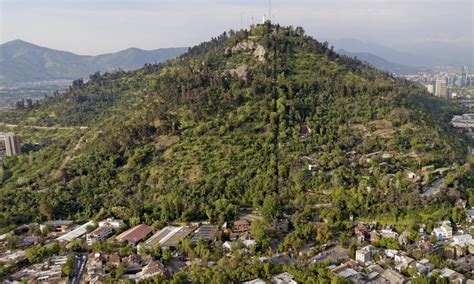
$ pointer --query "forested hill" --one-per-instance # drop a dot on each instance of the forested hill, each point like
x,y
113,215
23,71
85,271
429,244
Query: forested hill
x,y
233,123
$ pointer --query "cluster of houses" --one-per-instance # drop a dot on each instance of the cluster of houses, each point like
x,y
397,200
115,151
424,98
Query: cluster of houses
x,y
136,267
282,278
370,266
376,265
48,271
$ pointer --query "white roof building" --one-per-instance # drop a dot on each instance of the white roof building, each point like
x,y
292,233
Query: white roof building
x,y
443,232
283,278
255,281
76,233
462,240
386,233
110,222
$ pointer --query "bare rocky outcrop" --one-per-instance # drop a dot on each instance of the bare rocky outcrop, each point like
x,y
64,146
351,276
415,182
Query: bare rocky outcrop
x,y
240,70
259,50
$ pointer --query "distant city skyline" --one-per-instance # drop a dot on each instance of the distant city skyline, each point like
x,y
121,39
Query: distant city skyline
x,y
95,27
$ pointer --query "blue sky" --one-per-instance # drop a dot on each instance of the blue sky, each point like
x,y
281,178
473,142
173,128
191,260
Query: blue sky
x,y
100,26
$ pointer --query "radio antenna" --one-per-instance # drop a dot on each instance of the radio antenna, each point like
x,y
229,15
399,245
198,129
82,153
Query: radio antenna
x,y
270,9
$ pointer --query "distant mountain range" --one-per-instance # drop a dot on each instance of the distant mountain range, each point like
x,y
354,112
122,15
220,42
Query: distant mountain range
x,y
381,63
420,55
22,61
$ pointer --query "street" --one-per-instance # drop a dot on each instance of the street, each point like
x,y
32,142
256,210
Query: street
x,y
80,262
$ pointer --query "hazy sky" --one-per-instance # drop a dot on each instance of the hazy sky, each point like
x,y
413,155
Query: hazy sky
x,y
99,26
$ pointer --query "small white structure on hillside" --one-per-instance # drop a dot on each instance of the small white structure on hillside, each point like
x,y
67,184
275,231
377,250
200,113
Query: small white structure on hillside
x,y
443,232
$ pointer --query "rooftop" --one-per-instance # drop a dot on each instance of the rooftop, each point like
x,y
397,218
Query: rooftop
x,y
207,232
76,233
169,236
135,234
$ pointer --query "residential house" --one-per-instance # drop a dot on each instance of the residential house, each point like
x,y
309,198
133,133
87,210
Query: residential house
x,y
462,240
424,266
388,233
283,278
461,203
111,222
452,275
394,277
443,232
403,261
364,255
470,215
374,237
404,238
114,259
348,273
153,268
241,226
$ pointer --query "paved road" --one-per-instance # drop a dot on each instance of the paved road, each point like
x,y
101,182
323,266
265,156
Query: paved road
x,y
80,262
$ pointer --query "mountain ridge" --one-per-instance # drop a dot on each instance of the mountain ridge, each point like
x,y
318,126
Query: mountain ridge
x,y
381,63
417,55
21,61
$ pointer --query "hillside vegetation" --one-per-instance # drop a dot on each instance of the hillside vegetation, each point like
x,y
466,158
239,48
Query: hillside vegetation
x,y
234,123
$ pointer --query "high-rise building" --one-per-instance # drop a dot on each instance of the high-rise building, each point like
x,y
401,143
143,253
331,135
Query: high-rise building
x,y
430,88
463,76
10,144
441,88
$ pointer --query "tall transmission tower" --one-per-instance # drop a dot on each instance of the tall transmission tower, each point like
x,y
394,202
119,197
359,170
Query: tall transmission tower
x,y
269,10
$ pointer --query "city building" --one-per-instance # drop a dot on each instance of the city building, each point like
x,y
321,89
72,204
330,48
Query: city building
x,y
441,88
10,144
464,121
99,234
463,80
430,88
364,255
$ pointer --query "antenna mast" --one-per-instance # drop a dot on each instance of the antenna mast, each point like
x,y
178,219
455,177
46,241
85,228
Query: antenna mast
x,y
269,10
